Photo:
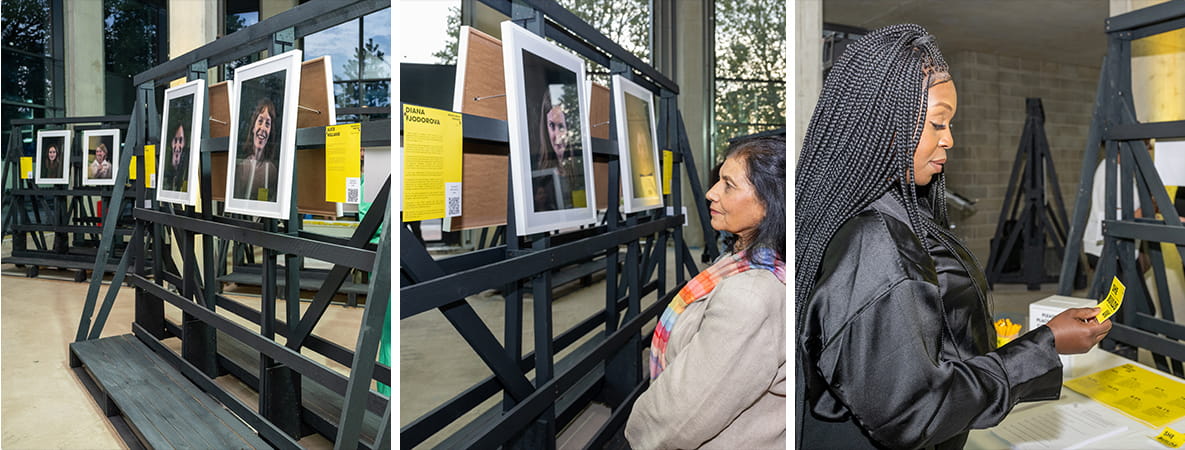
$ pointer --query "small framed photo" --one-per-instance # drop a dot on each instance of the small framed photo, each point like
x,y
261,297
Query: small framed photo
x,y
101,152
263,136
547,112
53,157
637,144
181,140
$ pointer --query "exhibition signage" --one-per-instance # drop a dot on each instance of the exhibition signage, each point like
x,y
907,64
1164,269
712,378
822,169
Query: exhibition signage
x,y
431,163
343,168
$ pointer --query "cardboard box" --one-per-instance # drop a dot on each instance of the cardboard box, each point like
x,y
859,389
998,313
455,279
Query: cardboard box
x,y
1041,311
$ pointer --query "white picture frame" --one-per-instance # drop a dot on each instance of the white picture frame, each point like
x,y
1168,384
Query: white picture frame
x,y
98,167
266,189
59,140
542,75
177,168
637,146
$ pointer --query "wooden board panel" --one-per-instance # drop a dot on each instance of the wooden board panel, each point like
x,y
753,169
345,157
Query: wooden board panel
x,y
598,111
220,109
484,169
316,94
480,75
601,183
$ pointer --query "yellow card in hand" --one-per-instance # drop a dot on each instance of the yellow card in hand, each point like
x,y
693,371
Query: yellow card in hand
x,y
1114,300
1171,438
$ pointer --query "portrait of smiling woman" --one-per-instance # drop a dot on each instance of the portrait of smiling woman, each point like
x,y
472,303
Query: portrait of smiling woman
x,y
895,347
256,175
718,355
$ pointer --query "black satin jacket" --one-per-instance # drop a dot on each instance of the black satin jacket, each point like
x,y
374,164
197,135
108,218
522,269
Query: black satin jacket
x,y
897,347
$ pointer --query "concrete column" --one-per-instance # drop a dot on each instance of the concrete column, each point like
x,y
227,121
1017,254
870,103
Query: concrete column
x,y
806,66
192,24
85,72
692,56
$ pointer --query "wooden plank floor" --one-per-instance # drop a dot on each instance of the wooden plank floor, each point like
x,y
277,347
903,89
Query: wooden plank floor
x,y
160,405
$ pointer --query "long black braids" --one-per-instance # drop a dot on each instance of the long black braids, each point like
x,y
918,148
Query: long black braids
x,y
861,141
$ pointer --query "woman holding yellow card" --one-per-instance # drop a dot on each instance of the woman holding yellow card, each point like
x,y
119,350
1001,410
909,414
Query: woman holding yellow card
x,y
895,341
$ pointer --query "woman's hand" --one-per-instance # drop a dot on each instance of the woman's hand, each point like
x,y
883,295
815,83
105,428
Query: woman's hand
x,y
1076,330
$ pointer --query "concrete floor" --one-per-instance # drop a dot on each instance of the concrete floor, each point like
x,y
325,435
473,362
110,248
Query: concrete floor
x,y
42,402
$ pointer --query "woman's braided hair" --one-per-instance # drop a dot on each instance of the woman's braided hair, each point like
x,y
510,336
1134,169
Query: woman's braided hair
x,y
861,141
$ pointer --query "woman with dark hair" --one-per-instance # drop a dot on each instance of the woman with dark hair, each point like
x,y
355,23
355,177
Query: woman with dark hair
x,y
718,355
51,166
256,174
557,150
176,169
895,345
101,166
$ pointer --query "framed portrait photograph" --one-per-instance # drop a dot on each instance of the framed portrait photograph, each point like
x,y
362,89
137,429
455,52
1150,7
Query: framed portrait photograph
x,y
53,157
547,112
100,157
263,136
181,139
637,146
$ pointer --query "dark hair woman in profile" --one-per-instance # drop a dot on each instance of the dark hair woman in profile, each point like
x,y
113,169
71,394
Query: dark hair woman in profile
x,y
718,355
895,345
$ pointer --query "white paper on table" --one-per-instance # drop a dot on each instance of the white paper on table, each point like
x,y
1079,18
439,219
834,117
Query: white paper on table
x,y
1064,426
1170,162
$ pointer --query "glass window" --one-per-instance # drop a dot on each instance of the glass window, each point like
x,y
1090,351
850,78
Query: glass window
x,y
750,69
134,40
626,22
361,69
32,67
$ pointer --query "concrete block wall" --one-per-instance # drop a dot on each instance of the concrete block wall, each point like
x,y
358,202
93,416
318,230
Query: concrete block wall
x,y
988,125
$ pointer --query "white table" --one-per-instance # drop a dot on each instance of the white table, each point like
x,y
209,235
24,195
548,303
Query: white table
x,y
1137,435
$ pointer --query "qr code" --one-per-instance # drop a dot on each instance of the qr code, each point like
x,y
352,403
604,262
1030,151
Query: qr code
x,y
452,199
353,190
453,208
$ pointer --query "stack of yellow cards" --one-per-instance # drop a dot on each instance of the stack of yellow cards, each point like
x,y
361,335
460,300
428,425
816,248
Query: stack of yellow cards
x,y
1146,396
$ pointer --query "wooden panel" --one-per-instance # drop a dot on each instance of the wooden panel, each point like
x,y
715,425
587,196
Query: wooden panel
x,y
220,109
310,183
484,169
598,111
218,175
316,96
601,183
481,75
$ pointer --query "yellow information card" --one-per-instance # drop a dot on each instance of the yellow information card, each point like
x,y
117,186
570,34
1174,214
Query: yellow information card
x,y
1108,306
668,167
1146,396
26,167
1171,438
431,158
343,163
149,166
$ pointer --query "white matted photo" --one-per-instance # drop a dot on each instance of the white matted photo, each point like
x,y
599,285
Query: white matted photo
x,y
100,157
637,146
181,139
263,136
547,112
53,157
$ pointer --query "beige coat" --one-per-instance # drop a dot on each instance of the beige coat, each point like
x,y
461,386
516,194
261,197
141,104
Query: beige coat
x,y
725,381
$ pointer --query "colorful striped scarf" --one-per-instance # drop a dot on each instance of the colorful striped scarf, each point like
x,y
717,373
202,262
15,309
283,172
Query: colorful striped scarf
x,y
699,288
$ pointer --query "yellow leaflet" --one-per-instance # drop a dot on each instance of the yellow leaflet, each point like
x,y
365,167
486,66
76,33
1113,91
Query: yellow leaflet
x,y
431,157
1171,438
26,167
343,157
1146,396
668,166
1114,300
